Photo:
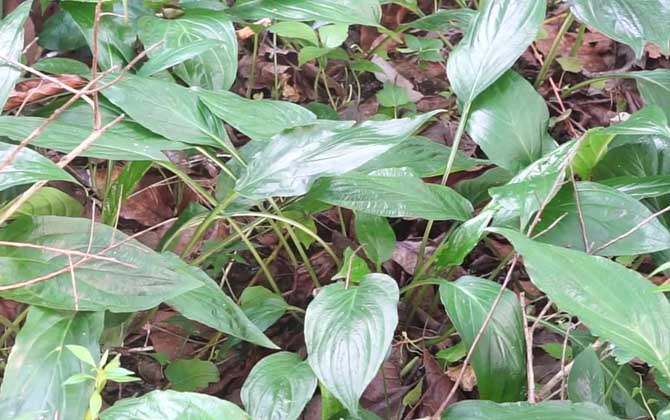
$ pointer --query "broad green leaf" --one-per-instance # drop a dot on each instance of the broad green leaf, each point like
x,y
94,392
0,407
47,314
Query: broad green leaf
x,y
654,86
392,95
377,235
586,382
39,364
28,167
499,34
307,54
209,305
11,46
51,202
128,143
295,30
423,156
651,121
190,375
634,23
640,187
60,65
173,111
215,69
444,20
164,58
278,387
462,241
173,405
362,12
476,190
348,333
634,156
393,193
262,306
61,33
146,279
615,303
332,36
550,410
244,114
606,214
116,40
294,159
499,360
512,137
359,268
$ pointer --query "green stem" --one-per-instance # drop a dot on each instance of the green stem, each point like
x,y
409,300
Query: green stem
x,y
209,220
549,59
225,243
188,181
572,89
252,77
579,41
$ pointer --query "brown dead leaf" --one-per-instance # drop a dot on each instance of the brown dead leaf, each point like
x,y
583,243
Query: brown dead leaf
x,y
34,90
469,381
438,386
406,254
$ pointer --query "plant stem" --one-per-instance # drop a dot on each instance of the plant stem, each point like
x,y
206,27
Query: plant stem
x,y
252,77
572,89
209,220
551,56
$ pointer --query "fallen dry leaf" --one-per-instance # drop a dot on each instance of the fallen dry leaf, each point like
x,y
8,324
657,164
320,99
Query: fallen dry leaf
x,y
34,90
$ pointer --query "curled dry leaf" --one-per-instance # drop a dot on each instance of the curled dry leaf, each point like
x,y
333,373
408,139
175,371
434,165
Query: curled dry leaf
x,y
34,90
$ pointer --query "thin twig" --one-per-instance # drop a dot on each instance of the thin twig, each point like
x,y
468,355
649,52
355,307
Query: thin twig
x,y
73,279
66,252
580,213
528,335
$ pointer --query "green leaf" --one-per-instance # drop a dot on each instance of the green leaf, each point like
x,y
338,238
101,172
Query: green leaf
x,y
60,65
307,54
614,302
11,46
172,405
190,375
393,193
163,59
215,69
295,30
654,86
39,363
444,20
146,280
555,350
210,306
462,241
278,387
263,307
586,382
352,12
512,137
61,33
243,114
377,235
125,144
423,156
640,187
168,109
116,40
121,189
28,167
476,190
294,159
359,268
51,202
500,33
606,214
348,333
392,95
499,360
634,23
550,410
332,36
83,354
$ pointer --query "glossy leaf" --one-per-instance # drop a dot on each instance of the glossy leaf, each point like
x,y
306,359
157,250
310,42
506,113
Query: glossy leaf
x,y
512,137
263,307
293,160
125,144
634,23
444,20
586,382
243,114
172,111
393,193
210,306
190,375
11,46
215,69
615,303
462,241
348,333
146,280
61,33
164,58
60,65
278,387
423,156
476,190
295,30
51,202
654,86
499,34
173,405
606,214
550,410
363,12
377,235
40,363
640,187
499,359
28,167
